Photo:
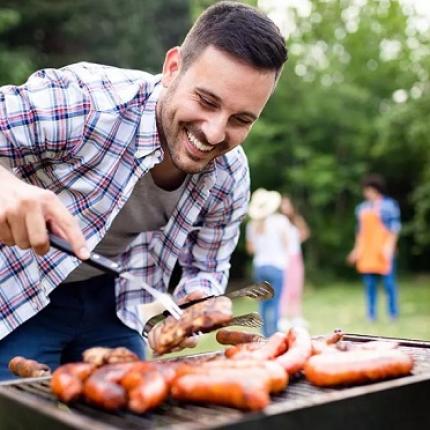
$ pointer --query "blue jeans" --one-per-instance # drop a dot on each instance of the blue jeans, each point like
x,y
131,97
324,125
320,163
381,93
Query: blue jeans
x,y
80,315
370,281
269,309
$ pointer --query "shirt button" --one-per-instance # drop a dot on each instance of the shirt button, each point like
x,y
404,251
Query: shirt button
x,y
157,153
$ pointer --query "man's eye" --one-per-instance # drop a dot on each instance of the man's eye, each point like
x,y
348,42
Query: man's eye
x,y
206,102
243,121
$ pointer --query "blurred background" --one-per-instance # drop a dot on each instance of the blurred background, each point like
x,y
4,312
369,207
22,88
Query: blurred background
x,y
354,98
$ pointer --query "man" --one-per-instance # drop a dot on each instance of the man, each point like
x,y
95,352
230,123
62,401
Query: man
x,y
145,169
374,250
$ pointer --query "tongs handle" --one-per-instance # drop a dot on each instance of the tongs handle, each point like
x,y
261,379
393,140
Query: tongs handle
x,y
95,260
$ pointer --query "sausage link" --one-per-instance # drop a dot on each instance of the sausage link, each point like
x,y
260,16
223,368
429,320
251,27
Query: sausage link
x,y
235,337
271,372
67,381
299,350
275,345
238,392
357,366
27,368
102,388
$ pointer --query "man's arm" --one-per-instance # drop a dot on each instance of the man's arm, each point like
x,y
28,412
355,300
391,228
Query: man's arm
x,y
353,254
391,218
39,121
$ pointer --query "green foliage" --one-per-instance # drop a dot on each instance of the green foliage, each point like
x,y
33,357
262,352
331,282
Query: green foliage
x,y
14,63
131,33
333,118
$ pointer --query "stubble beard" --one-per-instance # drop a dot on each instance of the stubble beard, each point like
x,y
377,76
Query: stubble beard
x,y
169,138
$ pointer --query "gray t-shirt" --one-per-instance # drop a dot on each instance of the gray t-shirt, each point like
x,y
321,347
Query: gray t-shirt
x,y
148,208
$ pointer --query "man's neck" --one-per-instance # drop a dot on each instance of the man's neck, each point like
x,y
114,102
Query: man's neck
x,y
166,176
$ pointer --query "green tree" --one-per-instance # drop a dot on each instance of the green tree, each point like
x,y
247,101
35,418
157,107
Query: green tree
x,y
333,118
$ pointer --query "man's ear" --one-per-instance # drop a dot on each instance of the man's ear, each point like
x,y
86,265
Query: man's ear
x,y
171,66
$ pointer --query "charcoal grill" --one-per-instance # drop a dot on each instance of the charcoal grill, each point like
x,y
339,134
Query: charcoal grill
x,y
395,404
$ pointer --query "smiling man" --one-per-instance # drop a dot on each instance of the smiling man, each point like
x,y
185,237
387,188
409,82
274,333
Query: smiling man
x,y
144,169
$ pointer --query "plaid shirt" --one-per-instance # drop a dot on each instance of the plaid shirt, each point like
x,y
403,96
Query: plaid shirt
x,y
87,132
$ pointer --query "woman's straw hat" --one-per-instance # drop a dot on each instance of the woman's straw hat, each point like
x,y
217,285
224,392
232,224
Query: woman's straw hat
x,y
263,203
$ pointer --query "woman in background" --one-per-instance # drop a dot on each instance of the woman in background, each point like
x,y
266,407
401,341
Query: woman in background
x,y
267,240
292,293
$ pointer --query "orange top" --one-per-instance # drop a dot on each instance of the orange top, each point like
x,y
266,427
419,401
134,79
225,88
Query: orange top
x,y
373,236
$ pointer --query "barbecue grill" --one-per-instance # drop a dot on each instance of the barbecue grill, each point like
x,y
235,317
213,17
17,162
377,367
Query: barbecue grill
x,y
395,404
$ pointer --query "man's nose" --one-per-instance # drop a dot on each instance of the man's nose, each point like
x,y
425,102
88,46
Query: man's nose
x,y
215,129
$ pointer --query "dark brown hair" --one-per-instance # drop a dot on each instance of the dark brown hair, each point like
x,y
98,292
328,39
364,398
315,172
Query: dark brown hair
x,y
239,30
375,181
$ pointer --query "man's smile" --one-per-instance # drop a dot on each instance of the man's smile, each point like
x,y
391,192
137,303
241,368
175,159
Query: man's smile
x,y
196,144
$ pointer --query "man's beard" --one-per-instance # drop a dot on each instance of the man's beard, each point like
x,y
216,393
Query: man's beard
x,y
167,139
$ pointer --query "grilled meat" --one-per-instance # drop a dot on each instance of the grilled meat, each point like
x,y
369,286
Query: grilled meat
x,y
235,337
299,350
67,381
26,368
100,355
146,386
103,389
237,391
200,317
274,346
357,366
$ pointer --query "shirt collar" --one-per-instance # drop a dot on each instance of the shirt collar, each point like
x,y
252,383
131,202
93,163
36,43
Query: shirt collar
x,y
147,138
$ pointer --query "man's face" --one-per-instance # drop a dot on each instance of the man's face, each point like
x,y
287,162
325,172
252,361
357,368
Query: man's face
x,y
371,193
209,108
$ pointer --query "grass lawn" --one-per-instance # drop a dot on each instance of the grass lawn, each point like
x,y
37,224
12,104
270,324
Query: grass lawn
x,y
341,305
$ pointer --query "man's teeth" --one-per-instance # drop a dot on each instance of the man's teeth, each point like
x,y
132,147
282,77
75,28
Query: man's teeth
x,y
196,142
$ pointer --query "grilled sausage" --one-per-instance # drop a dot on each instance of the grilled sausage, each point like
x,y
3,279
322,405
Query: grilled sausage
x,y
26,368
146,388
268,372
200,317
102,388
357,366
276,345
238,392
324,343
235,337
100,355
299,350
67,381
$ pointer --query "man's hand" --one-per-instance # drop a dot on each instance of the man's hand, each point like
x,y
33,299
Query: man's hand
x,y
352,257
388,251
25,212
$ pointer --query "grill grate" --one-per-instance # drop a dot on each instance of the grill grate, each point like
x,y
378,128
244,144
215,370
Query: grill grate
x,y
173,415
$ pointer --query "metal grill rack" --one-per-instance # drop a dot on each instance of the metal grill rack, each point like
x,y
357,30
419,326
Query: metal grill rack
x,y
399,403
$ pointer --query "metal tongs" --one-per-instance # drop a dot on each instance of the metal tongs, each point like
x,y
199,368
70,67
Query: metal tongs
x,y
259,291
109,266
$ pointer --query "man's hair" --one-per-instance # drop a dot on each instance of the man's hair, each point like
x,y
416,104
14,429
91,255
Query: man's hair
x,y
239,30
375,181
